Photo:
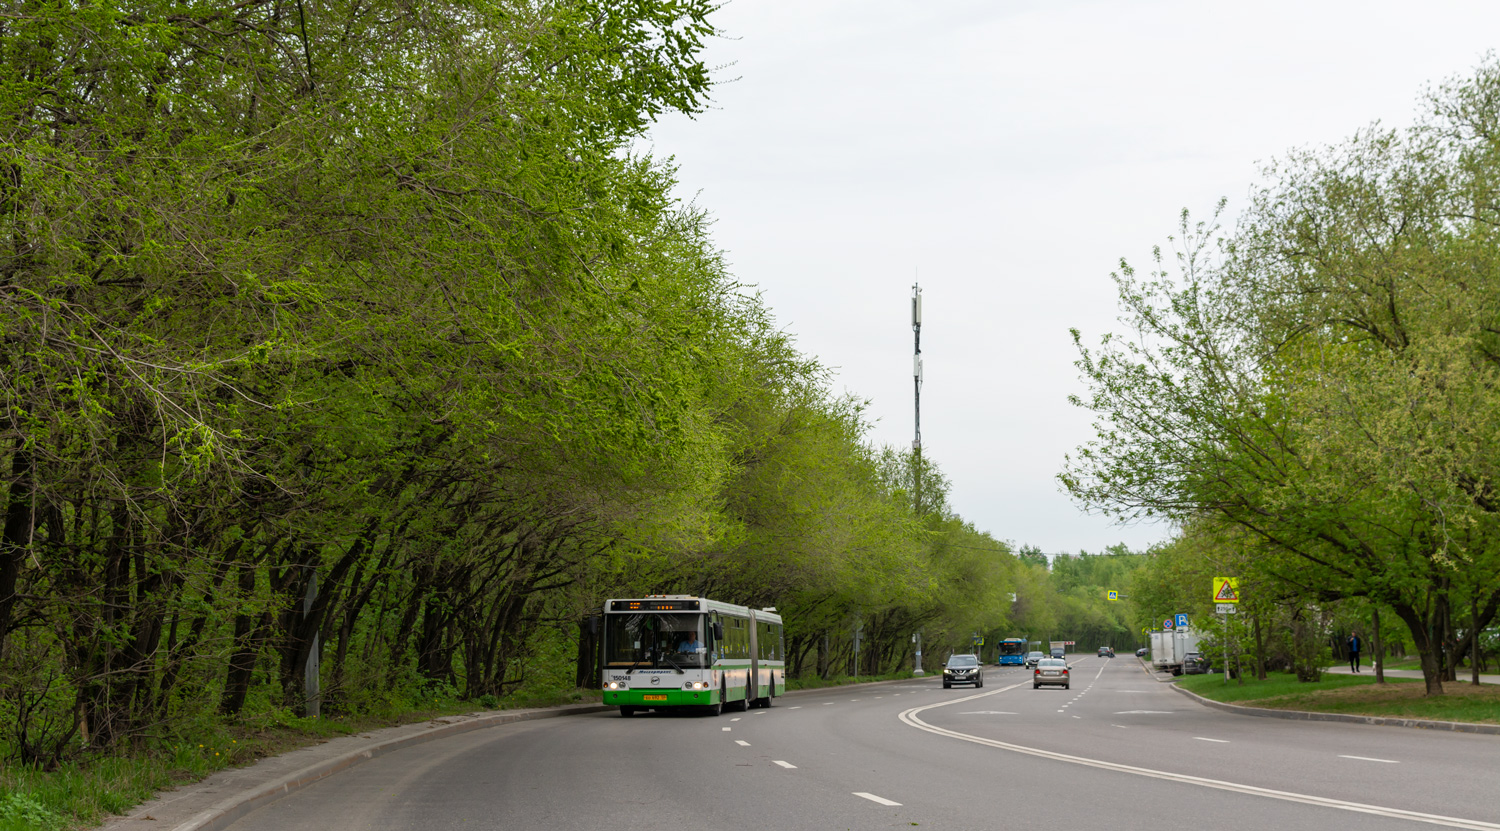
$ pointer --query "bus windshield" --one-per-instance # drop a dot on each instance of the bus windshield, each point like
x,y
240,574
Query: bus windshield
x,y
656,641
1012,646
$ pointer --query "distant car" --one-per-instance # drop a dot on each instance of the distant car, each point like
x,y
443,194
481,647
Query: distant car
x,y
1032,658
1052,671
1194,663
1106,652
963,669
1142,652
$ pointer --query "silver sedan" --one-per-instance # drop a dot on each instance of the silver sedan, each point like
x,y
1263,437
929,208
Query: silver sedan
x,y
1051,671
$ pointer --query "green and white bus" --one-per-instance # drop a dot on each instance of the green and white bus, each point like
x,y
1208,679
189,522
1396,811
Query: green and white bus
x,y
681,651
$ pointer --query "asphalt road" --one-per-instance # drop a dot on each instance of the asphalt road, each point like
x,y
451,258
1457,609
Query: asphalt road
x,y
1118,750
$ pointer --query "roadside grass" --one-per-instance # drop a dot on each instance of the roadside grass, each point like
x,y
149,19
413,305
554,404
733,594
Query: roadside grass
x,y
815,682
86,791
1397,698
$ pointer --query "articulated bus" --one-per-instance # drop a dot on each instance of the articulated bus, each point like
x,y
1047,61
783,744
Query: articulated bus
x,y
1013,652
682,651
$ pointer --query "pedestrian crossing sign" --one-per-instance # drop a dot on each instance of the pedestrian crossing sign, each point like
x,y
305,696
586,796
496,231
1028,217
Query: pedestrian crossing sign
x,y
1226,589
1113,594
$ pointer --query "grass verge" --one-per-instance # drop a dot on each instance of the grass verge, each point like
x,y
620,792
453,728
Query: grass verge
x,y
815,683
87,791
1355,695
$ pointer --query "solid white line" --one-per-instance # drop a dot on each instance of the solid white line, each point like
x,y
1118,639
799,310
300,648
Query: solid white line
x,y
741,742
1220,741
874,798
787,765
910,718
1368,759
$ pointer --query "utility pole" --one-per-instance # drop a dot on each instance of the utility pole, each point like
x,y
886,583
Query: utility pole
x,y
916,445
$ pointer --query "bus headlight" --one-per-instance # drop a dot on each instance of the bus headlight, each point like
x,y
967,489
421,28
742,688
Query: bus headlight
x,y
695,685
615,685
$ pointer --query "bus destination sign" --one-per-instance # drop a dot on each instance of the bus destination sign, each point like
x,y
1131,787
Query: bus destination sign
x,y
653,605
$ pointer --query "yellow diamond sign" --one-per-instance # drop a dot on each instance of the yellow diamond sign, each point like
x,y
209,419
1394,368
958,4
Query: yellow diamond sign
x,y
1226,589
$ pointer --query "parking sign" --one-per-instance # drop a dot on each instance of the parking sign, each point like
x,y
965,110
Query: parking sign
x,y
1182,622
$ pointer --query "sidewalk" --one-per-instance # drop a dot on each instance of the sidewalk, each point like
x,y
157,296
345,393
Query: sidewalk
x,y
1465,676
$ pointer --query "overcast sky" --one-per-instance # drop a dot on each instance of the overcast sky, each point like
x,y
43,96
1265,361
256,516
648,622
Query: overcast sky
x,y
1008,153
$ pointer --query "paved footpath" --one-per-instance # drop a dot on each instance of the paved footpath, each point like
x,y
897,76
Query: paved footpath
x,y
224,797
1464,675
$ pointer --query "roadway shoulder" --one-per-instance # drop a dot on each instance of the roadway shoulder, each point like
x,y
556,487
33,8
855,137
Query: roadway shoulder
x,y
218,800
1303,715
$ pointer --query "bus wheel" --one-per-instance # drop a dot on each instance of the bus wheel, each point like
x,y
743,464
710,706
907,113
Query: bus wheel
x,y
770,694
627,712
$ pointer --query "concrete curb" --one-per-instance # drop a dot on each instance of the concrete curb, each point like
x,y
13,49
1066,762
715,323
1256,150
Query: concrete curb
x,y
1302,715
226,811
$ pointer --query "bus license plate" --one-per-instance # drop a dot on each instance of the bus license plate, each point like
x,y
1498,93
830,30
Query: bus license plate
x,y
654,697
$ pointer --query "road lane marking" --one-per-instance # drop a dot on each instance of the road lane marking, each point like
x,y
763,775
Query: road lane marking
x,y
873,798
798,707
725,729
1368,759
1145,712
741,742
787,765
988,713
826,703
734,719
909,717
1220,741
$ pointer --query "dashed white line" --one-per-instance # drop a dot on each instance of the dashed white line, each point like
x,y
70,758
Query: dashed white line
x,y
873,798
1368,759
741,742
787,765
725,729
734,719
798,707
1220,741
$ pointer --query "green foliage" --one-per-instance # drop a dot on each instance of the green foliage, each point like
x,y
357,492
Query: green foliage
x,y
1318,387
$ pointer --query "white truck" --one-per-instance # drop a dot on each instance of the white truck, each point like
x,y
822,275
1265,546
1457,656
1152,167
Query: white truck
x,y
1170,646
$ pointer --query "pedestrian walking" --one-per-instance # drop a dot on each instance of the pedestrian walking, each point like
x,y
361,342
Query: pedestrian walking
x,y
1354,651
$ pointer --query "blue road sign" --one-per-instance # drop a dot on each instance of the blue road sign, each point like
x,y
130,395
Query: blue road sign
x,y
1182,622
1166,623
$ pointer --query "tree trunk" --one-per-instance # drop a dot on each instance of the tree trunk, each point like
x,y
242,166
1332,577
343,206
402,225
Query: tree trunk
x,y
1260,650
16,539
1379,646
1428,650
242,660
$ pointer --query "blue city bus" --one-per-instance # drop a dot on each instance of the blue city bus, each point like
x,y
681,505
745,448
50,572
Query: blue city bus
x,y
1012,652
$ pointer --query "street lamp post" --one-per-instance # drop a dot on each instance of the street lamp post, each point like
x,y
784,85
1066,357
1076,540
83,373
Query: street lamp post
x,y
916,368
